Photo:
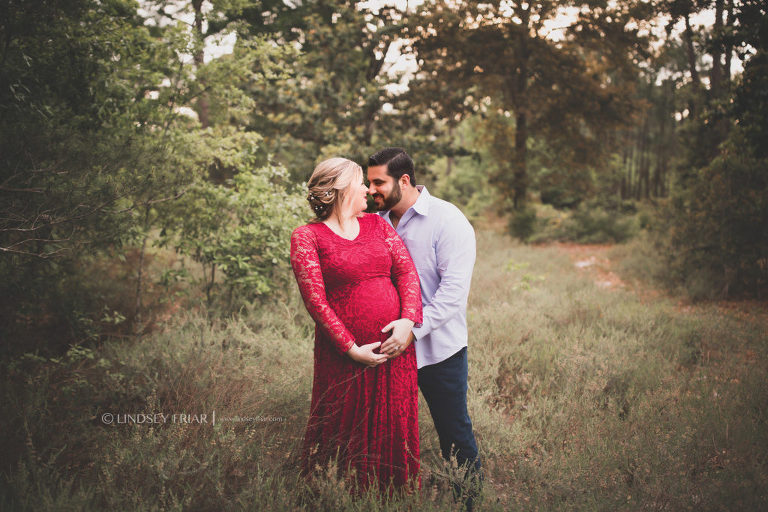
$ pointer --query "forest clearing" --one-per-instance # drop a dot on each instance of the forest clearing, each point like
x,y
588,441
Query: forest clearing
x,y
583,396
157,156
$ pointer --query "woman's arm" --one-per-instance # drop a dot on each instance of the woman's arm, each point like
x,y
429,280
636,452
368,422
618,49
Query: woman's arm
x,y
306,268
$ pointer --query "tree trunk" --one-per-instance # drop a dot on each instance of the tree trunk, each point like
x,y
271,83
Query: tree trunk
x,y
520,181
728,46
137,328
637,163
449,158
716,74
645,161
660,154
520,170
199,58
209,286
137,319
624,163
375,65
370,124
630,167
691,53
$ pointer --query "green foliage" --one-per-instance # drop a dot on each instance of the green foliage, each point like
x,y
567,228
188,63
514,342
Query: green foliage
x,y
563,189
255,62
241,228
590,223
712,231
100,140
716,226
462,176
74,116
497,60
466,186
522,223
83,144
595,225
332,101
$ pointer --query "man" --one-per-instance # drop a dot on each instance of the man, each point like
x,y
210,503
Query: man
x,y
442,244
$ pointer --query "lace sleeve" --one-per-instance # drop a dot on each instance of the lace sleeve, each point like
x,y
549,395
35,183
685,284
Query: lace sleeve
x,y
404,274
306,268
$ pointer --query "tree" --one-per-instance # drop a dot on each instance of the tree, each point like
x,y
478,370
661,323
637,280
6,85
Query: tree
x,y
98,146
715,224
332,101
501,57
79,137
73,80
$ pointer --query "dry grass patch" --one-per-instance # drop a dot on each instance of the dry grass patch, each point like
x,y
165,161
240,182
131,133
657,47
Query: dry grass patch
x,y
582,397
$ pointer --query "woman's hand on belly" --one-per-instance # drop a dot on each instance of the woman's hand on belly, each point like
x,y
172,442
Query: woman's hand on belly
x,y
365,355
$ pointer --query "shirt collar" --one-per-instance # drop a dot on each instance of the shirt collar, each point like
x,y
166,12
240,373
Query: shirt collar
x,y
421,206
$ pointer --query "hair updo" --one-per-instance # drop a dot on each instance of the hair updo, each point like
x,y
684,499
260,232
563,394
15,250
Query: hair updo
x,y
329,184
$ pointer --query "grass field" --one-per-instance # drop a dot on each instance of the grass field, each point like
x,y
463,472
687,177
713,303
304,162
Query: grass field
x,y
584,396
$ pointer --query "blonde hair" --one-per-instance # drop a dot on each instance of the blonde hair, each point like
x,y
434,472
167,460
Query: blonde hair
x,y
329,183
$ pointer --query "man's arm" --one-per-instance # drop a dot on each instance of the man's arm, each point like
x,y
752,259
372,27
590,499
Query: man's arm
x,y
455,255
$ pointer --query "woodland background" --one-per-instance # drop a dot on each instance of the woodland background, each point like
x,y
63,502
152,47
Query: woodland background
x,y
149,186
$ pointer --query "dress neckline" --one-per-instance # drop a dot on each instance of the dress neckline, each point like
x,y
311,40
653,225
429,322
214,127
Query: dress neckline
x,y
359,232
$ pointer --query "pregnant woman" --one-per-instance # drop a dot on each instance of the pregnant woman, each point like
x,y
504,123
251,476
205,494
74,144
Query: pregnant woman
x,y
357,280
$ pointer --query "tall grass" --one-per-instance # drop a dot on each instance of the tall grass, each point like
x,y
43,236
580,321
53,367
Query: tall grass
x,y
582,399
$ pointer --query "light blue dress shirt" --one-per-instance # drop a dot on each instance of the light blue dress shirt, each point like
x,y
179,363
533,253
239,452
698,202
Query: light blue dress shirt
x,y
442,244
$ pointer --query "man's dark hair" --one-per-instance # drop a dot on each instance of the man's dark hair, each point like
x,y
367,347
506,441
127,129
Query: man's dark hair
x,y
397,161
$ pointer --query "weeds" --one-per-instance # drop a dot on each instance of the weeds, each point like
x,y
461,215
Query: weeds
x,y
582,399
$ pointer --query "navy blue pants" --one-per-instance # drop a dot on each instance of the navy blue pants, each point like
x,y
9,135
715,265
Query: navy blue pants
x,y
444,386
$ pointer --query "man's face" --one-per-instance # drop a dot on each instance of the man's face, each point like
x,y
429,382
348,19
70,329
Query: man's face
x,y
383,188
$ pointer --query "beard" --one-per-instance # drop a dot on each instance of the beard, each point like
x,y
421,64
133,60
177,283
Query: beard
x,y
389,200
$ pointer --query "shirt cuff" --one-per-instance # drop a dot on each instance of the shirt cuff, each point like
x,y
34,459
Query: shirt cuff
x,y
421,330
416,323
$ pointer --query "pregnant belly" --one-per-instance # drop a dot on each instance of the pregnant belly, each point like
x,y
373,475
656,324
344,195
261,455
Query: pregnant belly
x,y
366,307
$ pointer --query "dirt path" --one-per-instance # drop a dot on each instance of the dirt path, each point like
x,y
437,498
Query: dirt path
x,y
593,259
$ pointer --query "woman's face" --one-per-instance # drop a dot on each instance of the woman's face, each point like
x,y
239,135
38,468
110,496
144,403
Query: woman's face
x,y
356,196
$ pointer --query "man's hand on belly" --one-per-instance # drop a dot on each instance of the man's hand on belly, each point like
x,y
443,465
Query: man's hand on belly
x,y
399,339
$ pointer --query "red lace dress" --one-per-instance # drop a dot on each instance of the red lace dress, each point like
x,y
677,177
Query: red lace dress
x,y
367,418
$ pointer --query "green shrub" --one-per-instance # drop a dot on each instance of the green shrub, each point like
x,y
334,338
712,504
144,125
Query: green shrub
x,y
522,223
586,224
717,229
594,225
239,232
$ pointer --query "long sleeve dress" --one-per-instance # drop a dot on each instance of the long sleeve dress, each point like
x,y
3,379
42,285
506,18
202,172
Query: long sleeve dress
x,y
365,418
